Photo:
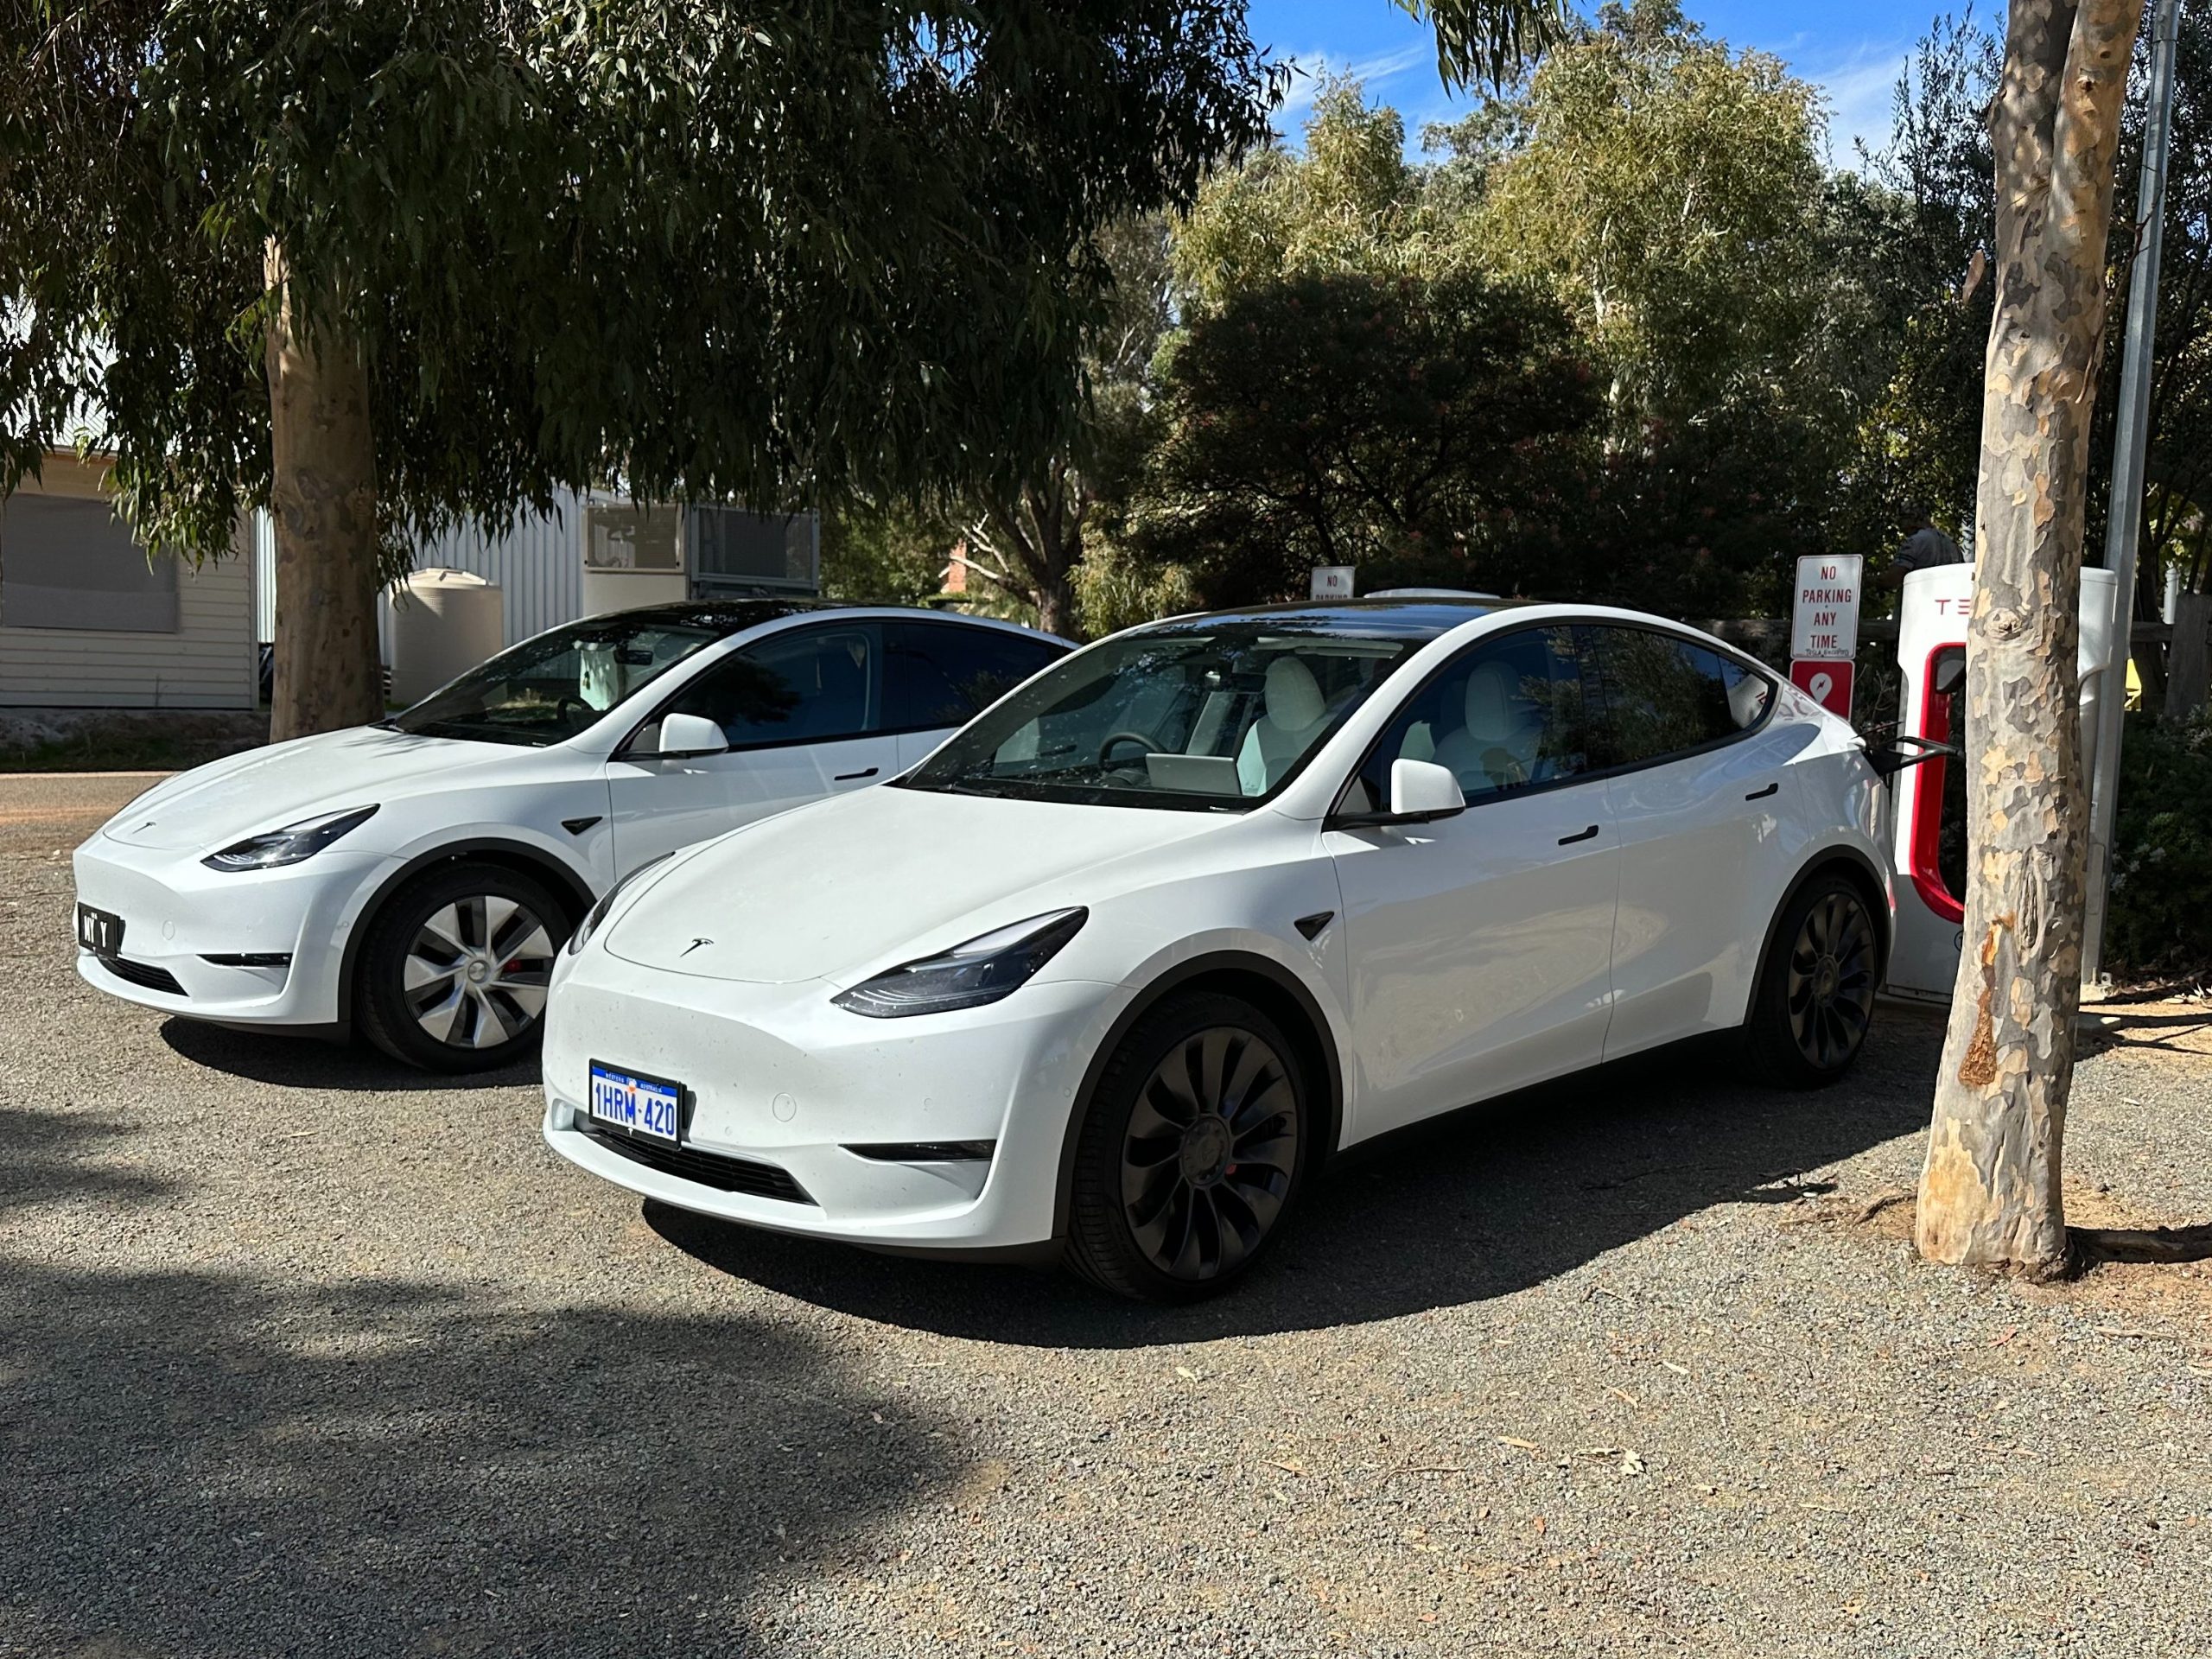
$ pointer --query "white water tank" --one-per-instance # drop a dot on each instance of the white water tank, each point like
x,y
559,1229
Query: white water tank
x,y
443,623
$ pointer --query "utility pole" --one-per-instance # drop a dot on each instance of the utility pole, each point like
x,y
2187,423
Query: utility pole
x,y
2123,520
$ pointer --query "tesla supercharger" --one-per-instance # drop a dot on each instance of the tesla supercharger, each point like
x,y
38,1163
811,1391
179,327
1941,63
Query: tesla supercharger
x,y
1928,807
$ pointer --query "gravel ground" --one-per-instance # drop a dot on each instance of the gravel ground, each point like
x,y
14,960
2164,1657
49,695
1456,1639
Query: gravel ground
x,y
304,1354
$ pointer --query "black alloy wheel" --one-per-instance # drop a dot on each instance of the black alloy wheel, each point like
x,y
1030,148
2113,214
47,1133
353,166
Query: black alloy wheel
x,y
1815,1003
1192,1151
1831,977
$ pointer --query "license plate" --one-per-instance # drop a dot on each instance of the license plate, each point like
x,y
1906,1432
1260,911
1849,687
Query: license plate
x,y
652,1107
99,932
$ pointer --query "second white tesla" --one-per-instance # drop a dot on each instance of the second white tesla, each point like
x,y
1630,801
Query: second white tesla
x,y
1115,969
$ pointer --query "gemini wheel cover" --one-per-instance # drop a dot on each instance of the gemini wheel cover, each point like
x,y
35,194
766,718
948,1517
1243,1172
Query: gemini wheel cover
x,y
1207,1160
1830,988
475,975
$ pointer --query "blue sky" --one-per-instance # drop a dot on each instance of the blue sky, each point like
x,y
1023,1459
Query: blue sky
x,y
1852,52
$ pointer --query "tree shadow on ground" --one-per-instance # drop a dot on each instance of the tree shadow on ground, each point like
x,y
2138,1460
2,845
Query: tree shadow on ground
x,y
43,1159
291,1060
1493,1200
196,1464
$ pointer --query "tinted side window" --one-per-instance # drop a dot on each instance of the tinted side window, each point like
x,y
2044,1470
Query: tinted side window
x,y
809,687
1508,714
940,674
1663,696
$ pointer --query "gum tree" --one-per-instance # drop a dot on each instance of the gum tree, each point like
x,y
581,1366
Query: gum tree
x,y
1990,1191
380,267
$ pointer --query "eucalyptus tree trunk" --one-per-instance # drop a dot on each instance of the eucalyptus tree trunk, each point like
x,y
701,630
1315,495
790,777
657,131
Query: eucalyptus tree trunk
x,y
1027,546
323,499
1989,1192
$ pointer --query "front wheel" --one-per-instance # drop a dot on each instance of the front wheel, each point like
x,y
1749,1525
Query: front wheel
x,y
1193,1152
453,971
1815,995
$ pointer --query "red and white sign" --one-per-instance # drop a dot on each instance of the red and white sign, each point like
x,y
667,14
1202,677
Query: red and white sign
x,y
1824,625
1828,684
1824,629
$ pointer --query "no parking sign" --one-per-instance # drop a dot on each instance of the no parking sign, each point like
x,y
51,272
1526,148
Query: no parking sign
x,y
1824,630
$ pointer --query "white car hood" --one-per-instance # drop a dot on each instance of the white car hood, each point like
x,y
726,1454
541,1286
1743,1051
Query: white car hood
x,y
265,789
827,891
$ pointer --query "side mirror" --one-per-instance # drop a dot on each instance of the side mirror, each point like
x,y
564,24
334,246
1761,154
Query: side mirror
x,y
1421,790
690,734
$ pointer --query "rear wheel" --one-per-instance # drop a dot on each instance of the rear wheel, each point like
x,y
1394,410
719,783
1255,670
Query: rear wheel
x,y
1193,1152
1815,998
453,974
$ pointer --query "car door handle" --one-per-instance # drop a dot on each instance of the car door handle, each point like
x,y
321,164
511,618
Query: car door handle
x,y
848,777
1761,794
1569,840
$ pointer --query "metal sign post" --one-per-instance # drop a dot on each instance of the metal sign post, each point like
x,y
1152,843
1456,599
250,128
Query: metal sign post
x,y
2124,522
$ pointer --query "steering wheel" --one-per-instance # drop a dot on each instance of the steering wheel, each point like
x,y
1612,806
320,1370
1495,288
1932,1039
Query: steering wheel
x,y
1107,747
560,707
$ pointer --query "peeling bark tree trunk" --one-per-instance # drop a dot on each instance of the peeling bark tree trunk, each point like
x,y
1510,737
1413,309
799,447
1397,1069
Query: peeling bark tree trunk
x,y
323,499
1989,1193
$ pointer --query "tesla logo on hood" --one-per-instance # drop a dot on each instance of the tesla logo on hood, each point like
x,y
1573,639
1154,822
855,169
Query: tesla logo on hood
x,y
694,946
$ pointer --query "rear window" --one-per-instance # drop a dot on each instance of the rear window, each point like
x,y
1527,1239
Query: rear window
x,y
1662,695
940,674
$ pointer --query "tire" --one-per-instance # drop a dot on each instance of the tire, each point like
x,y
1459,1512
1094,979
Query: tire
x,y
1172,1202
489,1009
1814,1001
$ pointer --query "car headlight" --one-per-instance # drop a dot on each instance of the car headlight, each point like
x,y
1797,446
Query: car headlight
x,y
597,913
968,976
290,844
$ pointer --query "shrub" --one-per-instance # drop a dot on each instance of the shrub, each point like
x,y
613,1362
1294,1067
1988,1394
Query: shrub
x,y
2160,920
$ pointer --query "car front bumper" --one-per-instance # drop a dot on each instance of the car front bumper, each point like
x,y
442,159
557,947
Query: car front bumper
x,y
177,914
776,1076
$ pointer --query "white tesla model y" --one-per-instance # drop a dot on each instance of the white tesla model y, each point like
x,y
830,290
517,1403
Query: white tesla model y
x,y
1116,967
414,878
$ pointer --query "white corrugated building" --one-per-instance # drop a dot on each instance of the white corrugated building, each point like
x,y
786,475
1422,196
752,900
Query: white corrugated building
x,y
637,556
87,620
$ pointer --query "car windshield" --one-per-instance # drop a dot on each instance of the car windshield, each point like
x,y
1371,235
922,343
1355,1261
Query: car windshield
x,y
547,690
1207,717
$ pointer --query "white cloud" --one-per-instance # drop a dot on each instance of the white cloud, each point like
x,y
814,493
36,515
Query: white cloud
x,y
1859,87
1376,74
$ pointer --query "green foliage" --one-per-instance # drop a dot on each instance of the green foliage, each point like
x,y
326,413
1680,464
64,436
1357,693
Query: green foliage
x,y
1488,40
1667,189
2177,513
1349,203
1115,589
884,555
1392,422
2160,920
1907,236
771,253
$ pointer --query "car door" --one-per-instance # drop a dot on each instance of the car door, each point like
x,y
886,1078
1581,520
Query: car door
x,y
1479,946
799,711
1701,788
937,675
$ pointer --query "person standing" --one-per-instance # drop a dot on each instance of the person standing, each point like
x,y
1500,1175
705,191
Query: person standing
x,y
1924,546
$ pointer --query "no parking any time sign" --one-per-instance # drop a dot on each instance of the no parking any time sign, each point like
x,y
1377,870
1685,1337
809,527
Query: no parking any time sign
x,y
1824,629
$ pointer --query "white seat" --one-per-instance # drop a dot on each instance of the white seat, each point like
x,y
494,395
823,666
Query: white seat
x,y
1747,701
1291,707
1501,742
